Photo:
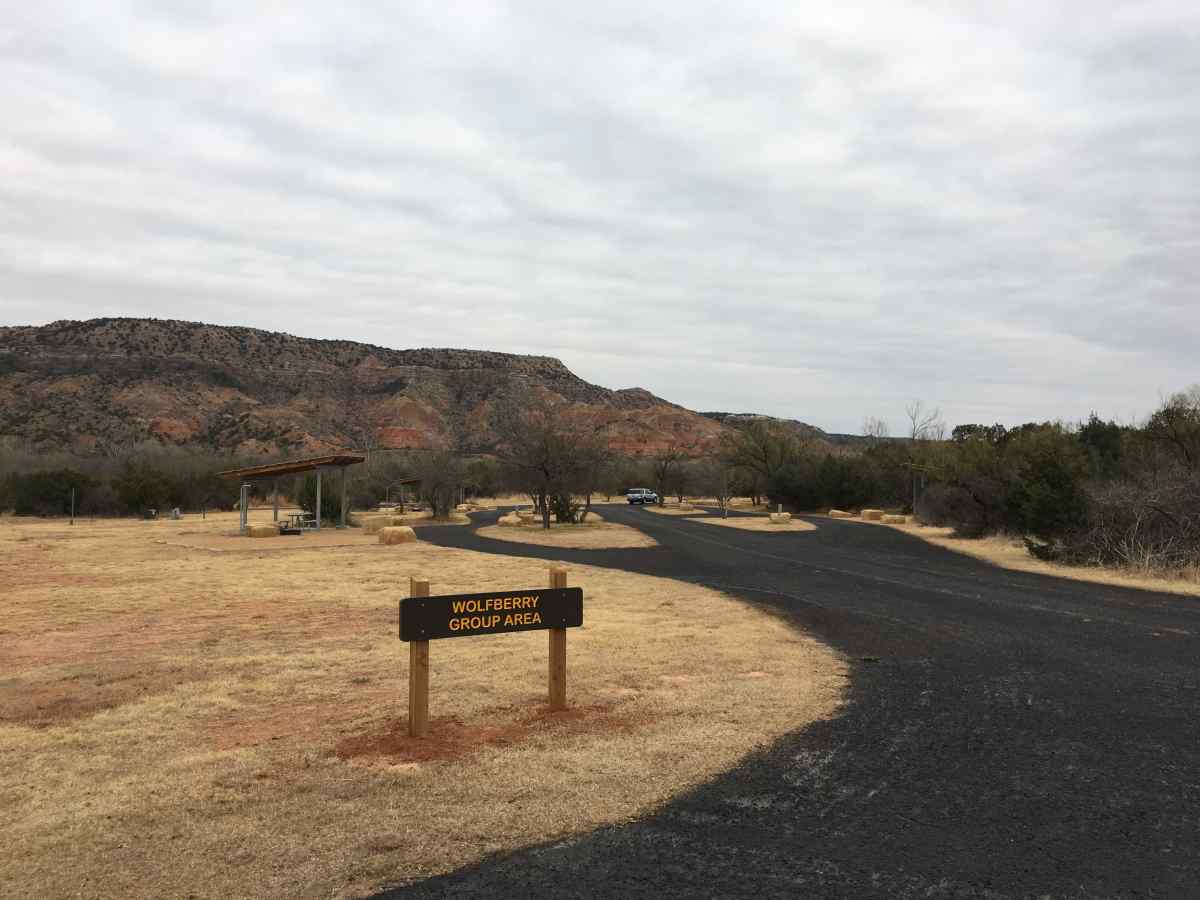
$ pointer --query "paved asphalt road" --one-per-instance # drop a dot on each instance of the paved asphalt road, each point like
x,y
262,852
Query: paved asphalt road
x,y
1006,735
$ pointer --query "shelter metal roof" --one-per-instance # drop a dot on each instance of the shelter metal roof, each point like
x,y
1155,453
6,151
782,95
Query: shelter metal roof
x,y
294,466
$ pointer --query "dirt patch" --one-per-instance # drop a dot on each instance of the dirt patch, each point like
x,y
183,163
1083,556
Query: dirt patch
x,y
82,691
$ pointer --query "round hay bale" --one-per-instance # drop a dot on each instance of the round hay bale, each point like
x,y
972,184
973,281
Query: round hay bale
x,y
778,518
872,515
894,520
262,529
397,534
840,514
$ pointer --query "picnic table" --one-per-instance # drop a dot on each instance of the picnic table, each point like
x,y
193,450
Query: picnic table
x,y
298,522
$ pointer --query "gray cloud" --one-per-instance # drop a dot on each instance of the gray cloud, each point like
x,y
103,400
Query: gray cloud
x,y
812,215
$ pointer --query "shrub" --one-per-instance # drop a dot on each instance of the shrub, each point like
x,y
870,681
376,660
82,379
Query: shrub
x,y
48,493
139,486
1047,498
972,511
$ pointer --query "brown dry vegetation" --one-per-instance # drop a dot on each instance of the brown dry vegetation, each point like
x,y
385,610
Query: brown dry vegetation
x,y
594,535
673,511
759,523
1010,553
178,718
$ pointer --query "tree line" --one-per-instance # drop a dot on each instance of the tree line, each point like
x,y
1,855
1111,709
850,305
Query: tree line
x,y
128,482
1093,492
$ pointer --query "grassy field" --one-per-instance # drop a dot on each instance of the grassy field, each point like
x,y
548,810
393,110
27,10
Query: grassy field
x,y
1010,553
758,523
673,510
188,713
595,534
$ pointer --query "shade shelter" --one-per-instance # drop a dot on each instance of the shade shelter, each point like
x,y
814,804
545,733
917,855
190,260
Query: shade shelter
x,y
275,471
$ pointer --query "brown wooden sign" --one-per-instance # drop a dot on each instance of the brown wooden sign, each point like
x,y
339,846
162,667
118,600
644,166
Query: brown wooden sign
x,y
466,615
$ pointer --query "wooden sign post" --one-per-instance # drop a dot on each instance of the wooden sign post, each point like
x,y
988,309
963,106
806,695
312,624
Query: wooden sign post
x,y
558,651
424,618
418,671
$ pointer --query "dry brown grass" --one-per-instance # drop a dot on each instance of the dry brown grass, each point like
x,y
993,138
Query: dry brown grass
x,y
746,504
595,534
1010,553
674,510
177,721
759,523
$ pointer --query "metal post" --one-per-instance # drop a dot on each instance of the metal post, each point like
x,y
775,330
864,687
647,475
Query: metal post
x,y
243,507
274,499
342,517
318,499
72,506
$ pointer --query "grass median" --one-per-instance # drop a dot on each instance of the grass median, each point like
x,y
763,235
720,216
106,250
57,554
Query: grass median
x,y
758,523
594,534
1010,552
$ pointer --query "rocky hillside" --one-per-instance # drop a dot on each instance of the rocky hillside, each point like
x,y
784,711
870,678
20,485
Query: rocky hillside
x,y
802,429
106,383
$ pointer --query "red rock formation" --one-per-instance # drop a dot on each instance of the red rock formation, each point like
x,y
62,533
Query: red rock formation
x,y
117,382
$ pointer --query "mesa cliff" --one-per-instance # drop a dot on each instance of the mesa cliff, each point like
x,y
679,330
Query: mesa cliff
x,y
90,386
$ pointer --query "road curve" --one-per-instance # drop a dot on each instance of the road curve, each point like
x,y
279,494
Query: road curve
x,y
1006,735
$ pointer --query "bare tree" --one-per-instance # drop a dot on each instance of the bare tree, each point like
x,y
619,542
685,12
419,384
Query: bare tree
x,y
549,456
925,424
762,449
365,438
442,475
874,430
665,466
594,461
715,476
1176,426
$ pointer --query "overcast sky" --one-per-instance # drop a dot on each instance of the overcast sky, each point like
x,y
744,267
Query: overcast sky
x,y
814,211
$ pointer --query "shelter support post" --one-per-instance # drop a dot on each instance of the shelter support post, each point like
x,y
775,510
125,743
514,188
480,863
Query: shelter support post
x,y
342,515
274,499
244,506
318,499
